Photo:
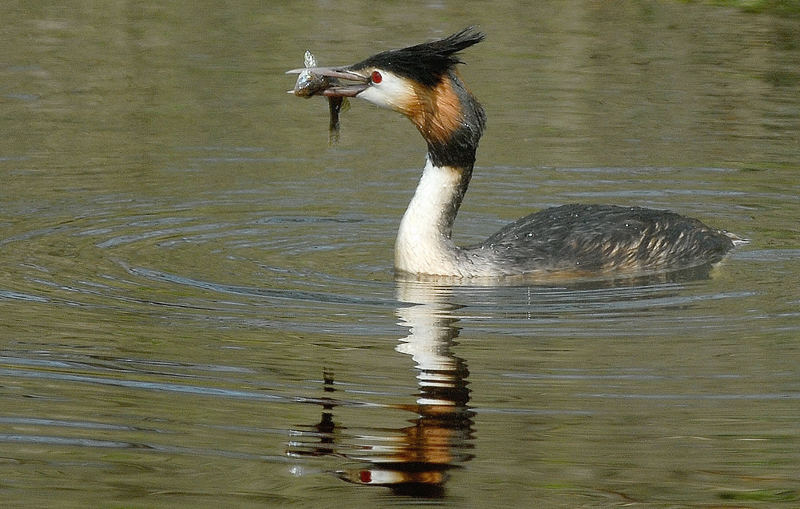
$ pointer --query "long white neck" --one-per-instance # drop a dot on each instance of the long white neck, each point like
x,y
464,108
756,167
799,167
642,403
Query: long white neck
x,y
423,243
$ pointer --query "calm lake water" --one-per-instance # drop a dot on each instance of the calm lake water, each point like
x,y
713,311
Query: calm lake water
x,y
197,303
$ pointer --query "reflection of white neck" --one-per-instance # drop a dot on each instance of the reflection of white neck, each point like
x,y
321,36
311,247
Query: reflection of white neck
x,y
423,242
428,342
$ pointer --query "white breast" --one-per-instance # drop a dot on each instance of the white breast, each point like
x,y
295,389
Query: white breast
x,y
423,241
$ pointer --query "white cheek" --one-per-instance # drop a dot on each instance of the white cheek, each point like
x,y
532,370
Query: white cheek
x,y
393,93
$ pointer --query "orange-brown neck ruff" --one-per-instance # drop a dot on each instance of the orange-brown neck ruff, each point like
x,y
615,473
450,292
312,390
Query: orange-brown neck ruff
x,y
437,113
450,119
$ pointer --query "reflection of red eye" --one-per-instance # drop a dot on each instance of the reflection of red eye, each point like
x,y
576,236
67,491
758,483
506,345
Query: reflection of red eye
x,y
376,77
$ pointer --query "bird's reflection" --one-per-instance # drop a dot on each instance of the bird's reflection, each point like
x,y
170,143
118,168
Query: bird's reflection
x,y
411,459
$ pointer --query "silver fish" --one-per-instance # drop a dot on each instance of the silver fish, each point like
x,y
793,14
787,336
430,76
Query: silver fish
x,y
309,84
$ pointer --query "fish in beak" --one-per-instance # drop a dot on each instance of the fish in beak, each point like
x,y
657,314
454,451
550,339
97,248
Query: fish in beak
x,y
336,84
328,81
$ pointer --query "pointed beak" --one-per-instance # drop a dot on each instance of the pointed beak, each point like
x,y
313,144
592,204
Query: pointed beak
x,y
342,82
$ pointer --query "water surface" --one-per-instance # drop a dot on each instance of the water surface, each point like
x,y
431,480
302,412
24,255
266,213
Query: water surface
x,y
197,303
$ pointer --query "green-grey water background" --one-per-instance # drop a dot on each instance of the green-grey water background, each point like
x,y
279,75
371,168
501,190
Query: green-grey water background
x,y
197,304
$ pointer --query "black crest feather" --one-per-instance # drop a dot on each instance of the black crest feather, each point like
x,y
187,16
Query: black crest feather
x,y
426,62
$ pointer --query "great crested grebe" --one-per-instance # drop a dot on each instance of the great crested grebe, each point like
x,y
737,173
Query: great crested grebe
x,y
422,83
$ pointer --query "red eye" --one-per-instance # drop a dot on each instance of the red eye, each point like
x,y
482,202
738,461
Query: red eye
x,y
376,77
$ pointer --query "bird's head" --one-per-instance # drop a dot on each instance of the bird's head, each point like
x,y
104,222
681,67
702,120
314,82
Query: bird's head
x,y
420,82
